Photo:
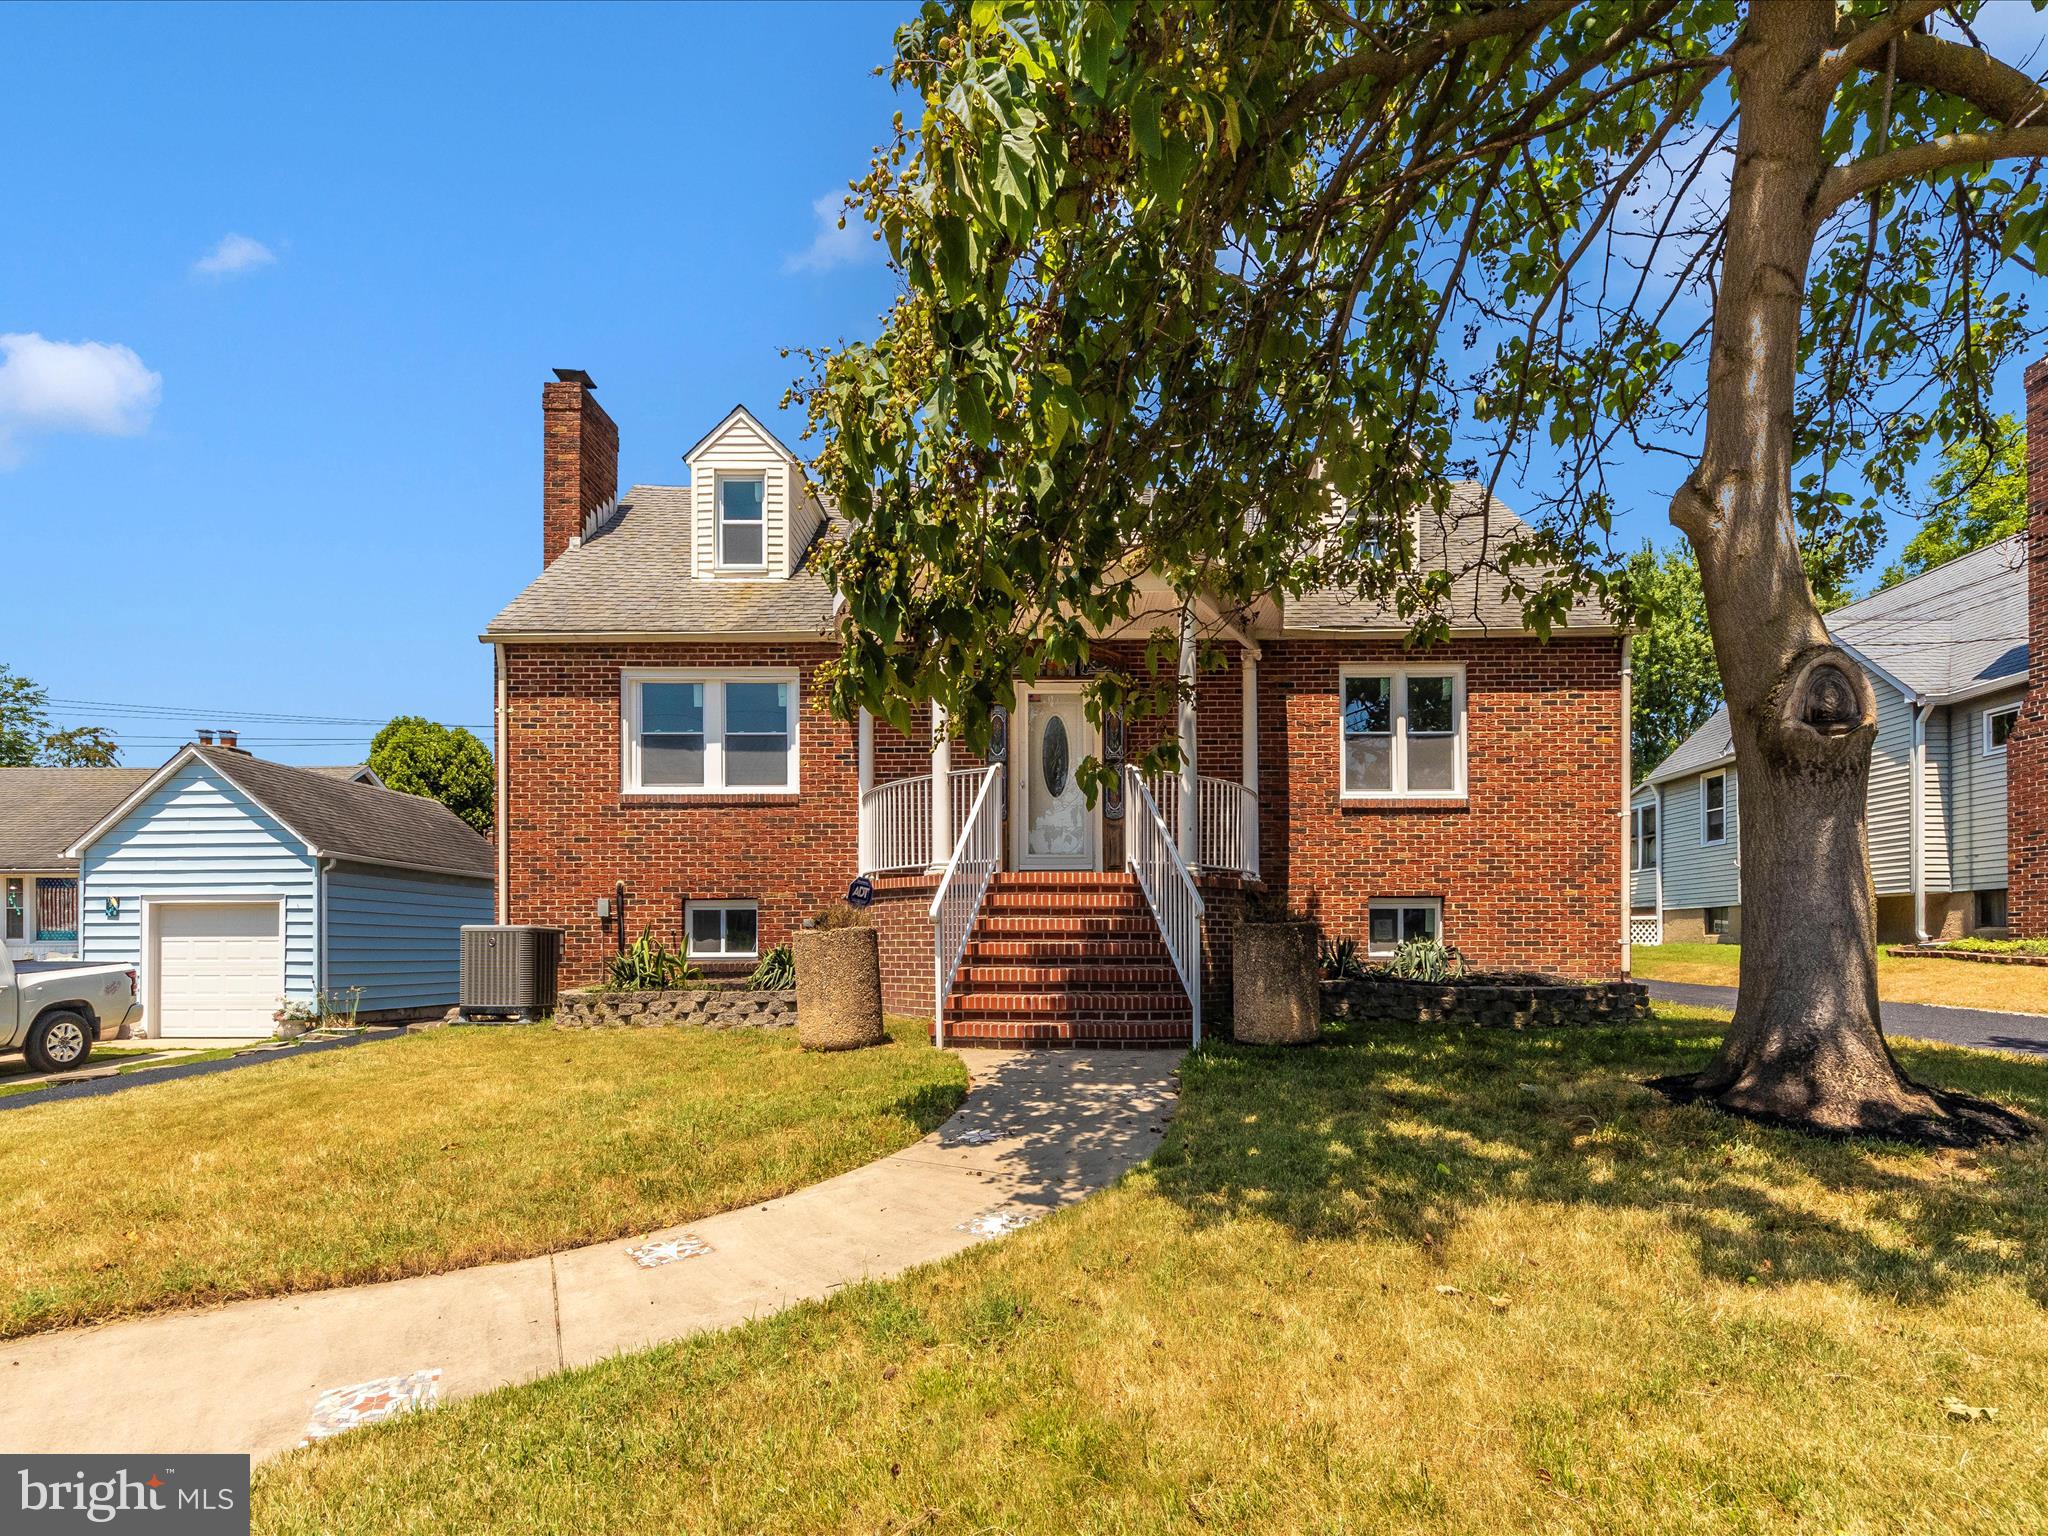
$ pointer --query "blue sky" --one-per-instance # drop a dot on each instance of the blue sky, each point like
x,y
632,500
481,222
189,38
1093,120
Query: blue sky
x,y
336,481
342,248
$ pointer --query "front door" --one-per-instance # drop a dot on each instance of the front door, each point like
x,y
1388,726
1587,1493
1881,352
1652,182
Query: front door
x,y
1056,825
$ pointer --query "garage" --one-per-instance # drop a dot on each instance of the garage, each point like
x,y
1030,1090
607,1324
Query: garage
x,y
219,967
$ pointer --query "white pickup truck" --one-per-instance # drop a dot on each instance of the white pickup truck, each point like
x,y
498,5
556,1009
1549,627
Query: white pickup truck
x,y
54,1011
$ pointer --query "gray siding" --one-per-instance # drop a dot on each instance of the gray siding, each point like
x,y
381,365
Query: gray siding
x,y
1891,805
1976,785
1696,876
1642,883
197,836
397,935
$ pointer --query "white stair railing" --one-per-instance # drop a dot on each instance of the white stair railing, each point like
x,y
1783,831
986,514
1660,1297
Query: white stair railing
x,y
1154,857
896,819
1229,826
958,901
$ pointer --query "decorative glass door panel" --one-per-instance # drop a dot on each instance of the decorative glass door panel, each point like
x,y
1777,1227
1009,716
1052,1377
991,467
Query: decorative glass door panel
x,y
1059,823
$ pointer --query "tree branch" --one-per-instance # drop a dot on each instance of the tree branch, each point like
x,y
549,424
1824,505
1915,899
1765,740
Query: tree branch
x,y
1845,183
2002,93
1856,46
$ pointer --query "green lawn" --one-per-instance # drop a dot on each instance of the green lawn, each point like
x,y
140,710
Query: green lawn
x,y
1900,979
1406,1280
432,1152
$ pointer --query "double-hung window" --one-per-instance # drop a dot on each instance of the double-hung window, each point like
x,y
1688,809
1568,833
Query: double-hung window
x,y
702,733
1646,837
1404,731
1714,808
742,522
1390,924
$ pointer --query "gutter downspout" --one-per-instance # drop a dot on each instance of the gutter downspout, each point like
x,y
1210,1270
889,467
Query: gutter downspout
x,y
1628,794
322,868
1917,818
501,897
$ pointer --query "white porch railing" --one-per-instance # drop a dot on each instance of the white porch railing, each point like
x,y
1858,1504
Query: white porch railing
x,y
1229,821
1154,857
968,872
896,820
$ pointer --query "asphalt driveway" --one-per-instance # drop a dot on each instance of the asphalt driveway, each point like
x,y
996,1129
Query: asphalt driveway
x,y
2027,1032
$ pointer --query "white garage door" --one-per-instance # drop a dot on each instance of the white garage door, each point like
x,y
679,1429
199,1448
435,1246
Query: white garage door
x,y
219,968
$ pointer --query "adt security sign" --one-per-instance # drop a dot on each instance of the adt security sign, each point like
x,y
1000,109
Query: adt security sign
x,y
861,892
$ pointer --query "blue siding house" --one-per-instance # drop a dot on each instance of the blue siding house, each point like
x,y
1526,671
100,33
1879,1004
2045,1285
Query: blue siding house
x,y
235,884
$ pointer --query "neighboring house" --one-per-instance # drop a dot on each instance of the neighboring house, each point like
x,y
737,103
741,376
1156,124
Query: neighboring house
x,y
42,812
1946,653
657,734
233,884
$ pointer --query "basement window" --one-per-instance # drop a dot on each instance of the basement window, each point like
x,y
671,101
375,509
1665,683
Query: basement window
x,y
724,930
1390,924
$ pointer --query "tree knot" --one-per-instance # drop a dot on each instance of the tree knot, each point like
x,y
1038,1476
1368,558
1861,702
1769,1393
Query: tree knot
x,y
1823,698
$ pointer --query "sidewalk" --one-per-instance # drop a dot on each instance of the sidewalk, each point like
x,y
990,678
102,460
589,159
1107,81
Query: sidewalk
x,y
1978,1027
1038,1130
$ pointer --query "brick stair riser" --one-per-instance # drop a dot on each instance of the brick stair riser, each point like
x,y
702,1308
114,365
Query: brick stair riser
x,y
1035,1005
1066,952
1049,927
1073,1033
1036,975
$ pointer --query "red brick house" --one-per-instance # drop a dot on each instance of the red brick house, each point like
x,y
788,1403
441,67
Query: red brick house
x,y
657,730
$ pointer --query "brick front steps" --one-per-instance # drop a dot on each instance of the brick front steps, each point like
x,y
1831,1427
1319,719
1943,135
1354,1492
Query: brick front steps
x,y
1066,959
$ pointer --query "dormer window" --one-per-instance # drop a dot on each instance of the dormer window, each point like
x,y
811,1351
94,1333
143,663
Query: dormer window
x,y
742,522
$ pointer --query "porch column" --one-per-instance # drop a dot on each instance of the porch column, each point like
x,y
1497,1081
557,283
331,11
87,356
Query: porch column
x,y
1190,781
1249,662
942,789
864,759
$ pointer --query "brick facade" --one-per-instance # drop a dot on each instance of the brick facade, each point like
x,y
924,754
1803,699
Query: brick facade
x,y
2026,750
1526,866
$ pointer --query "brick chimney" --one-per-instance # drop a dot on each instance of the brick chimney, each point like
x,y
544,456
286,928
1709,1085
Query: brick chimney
x,y
2026,752
579,459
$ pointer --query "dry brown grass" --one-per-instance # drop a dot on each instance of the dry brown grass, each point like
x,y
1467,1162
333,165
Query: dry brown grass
x,y
429,1153
1400,1281
1900,979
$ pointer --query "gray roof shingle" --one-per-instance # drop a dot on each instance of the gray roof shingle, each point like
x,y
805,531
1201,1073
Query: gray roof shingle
x,y
358,822
43,811
633,576
1957,629
1465,541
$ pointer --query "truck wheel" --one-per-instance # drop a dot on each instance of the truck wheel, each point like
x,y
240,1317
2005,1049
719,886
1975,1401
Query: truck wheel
x,y
58,1041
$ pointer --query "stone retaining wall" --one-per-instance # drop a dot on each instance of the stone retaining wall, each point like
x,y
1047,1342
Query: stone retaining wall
x,y
1487,1005
696,1008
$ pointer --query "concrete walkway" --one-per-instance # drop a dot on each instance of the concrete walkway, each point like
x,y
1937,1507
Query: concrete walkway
x,y
1038,1130
1979,1027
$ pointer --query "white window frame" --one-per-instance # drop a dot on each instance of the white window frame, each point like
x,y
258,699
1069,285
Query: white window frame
x,y
1992,714
714,680
1636,860
1705,780
690,911
1455,671
1399,904
719,482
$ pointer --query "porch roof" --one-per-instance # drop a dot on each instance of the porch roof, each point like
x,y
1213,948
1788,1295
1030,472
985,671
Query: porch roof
x,y
44,810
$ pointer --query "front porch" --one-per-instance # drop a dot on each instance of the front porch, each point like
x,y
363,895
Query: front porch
x,y
1055,917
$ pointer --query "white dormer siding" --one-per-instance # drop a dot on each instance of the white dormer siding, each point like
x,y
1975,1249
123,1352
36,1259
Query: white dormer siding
x,y
739,447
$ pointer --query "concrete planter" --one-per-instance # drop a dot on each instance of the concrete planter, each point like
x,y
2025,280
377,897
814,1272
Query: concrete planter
x,y
838,988
1274,983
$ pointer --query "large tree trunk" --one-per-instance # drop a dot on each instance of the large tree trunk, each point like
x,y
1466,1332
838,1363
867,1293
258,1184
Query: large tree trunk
x,y
1805,1047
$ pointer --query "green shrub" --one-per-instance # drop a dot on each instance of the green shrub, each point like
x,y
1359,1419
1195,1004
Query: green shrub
x,y
2000,946
648,965
776,972
1425,960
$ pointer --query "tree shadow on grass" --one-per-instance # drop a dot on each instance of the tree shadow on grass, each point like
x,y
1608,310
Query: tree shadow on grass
x,y
1402,1133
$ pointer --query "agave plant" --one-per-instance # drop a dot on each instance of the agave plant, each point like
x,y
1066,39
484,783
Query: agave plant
x,y
776,972
1340,961
648,965
1425,960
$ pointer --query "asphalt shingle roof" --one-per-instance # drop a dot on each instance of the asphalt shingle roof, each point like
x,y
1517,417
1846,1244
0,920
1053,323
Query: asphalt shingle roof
x,y
1465,541
633,576
1953,630
359,822
43,811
